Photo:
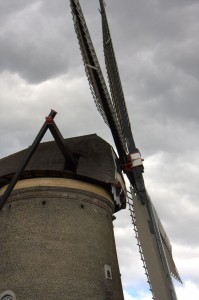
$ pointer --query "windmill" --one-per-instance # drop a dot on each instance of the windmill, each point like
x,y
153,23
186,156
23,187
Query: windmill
x,y
154,245
57,201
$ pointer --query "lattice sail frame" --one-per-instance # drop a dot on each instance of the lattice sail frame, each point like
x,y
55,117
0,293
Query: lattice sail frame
x,y
113,110
94,74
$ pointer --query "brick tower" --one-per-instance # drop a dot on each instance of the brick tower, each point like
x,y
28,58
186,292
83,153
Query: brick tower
x,y
56,228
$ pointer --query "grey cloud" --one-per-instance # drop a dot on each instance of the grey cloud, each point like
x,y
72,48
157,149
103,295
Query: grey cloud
x,y
175,195
52,8
157,51
171,4
9,7
37,46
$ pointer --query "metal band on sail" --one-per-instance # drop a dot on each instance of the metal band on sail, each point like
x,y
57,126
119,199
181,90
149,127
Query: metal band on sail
x,y
96,80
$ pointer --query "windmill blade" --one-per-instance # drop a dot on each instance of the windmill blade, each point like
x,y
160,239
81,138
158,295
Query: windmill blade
x,y
132,169
115,82
144,213
159,271
96,80
153,240
109,108
167,248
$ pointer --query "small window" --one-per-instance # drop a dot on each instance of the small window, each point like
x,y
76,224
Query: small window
x,y
108,273
7,295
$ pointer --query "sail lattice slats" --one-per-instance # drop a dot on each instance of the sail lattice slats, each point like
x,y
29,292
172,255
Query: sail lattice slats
x,y
167,248
77,13
96,80
133,218
115,82
135,174
167,245
143,224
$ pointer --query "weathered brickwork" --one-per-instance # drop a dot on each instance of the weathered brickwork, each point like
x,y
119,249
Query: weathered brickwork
x,y
55,243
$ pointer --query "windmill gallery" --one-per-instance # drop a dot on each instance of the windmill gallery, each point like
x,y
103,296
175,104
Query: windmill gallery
x,y
58,200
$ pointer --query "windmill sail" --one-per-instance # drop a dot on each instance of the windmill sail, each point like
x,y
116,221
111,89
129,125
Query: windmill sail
x,y
155,245
167,247
115,82
158,279
96,80
161,242
134,174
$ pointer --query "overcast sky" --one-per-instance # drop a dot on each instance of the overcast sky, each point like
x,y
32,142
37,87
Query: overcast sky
x,y
156,44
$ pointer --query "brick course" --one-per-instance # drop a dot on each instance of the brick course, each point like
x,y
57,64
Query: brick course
x,y
55,243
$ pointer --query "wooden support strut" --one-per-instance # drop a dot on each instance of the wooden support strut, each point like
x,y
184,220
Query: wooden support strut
x,y
49,124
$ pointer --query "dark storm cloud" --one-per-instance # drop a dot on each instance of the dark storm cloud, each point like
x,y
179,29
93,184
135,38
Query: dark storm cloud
x,y
156,44
36,41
